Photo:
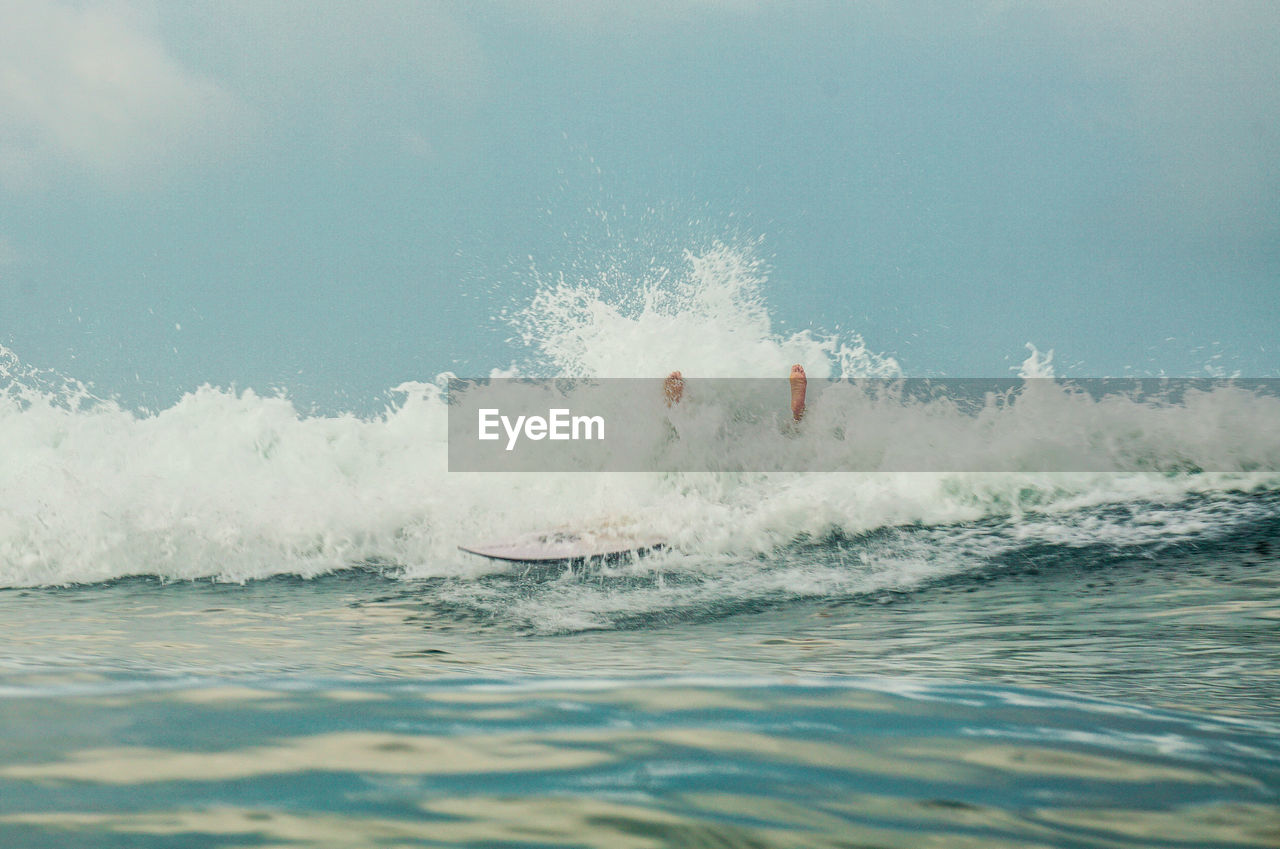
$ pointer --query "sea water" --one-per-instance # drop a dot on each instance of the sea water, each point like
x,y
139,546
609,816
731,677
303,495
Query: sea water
x,y
232,623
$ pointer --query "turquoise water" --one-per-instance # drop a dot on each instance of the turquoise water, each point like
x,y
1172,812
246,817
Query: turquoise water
x,y
229,623
1054,695
245,246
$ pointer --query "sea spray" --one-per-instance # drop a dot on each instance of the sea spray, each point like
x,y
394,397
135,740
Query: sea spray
x,y
234,486
706,316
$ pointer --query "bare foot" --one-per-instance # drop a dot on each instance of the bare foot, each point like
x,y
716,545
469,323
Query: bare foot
x,y
673,388
798,384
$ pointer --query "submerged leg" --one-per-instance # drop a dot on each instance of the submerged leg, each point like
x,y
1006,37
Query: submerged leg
x,y
673,388
798,385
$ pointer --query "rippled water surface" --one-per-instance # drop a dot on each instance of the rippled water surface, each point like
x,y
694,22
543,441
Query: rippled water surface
x,y
1053,696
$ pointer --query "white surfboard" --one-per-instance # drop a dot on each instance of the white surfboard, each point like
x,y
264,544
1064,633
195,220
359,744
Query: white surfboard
x,y
566,547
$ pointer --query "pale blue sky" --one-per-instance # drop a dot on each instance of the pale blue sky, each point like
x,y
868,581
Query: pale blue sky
x,y
334,198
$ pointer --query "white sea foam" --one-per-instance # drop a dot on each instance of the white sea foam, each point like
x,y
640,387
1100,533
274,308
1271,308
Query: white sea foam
x,y
235,486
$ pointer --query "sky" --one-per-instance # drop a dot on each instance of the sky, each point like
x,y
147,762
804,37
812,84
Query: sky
x,y
332,198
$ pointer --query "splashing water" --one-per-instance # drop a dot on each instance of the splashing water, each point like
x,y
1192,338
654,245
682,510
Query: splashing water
x,y
706,317
235,486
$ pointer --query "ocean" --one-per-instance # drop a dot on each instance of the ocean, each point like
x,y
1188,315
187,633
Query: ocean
x,y
233,622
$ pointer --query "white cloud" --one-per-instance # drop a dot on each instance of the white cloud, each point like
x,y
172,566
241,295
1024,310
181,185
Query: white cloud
x,y
335,53
92,90
354,74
